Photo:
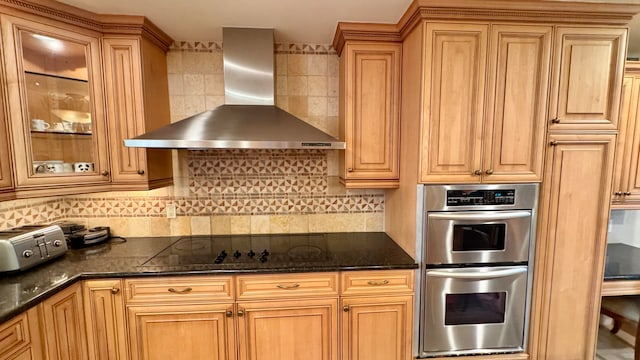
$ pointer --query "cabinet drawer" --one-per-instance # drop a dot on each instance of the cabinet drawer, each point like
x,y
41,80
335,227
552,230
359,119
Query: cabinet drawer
x,y
287,286
179,289
382,282
14,334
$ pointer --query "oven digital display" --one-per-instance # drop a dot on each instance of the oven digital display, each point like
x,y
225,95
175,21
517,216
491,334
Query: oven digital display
x,y
475,308
481,197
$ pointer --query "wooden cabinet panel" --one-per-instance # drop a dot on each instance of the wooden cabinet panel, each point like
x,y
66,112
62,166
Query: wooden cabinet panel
x,y
515,126
181,332
382,282
64,328
6,168
288,330
574,211
378,328
287,286
369,120
131,104
587,78
453,101
105,320
179,289
20,337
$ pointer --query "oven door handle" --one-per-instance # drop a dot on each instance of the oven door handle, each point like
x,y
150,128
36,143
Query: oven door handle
x,y
476,274
480,215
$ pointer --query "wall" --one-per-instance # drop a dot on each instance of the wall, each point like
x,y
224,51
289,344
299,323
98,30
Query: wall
x,y
233,191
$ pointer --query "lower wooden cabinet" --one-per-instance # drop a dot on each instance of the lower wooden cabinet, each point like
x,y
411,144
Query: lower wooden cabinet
x,y
288,330
181,332
377,328
105,320
243,317
571,243
20,337
63,325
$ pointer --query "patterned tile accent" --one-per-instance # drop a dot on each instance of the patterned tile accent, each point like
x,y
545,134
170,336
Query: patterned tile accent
x,y
211,46
19,213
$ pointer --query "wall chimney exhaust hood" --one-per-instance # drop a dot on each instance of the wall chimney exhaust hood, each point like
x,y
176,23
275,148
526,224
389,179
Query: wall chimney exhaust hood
x,y
249,119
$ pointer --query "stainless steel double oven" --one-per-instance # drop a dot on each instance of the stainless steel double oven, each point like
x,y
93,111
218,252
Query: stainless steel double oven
x,y
476,268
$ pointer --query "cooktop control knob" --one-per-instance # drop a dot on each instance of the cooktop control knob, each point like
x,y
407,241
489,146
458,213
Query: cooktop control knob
x,y
237,254
27,253
223,253
264,253
263,259
251,253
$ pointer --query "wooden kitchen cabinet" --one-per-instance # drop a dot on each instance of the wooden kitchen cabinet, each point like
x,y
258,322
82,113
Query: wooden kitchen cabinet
x,y
469,136
137,101
626,178
571,245
20,337
105,319
54,105
287,316
63,325
181,331
6,168
181,317
369,114
587,78
377,315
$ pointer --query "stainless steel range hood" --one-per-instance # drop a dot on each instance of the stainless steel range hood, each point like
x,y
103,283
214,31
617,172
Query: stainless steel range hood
x,y
249,119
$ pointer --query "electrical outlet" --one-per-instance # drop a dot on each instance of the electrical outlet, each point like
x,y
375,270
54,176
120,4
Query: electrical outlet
x,y
171,211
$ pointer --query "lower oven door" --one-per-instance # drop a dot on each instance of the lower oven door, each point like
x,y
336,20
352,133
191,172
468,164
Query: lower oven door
x,y
474,310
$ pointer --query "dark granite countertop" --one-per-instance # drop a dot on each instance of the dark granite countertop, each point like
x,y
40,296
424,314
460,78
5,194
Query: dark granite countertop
x,y
622,262
156,256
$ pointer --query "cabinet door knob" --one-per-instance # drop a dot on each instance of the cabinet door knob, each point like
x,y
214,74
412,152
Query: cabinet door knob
x,y
240,313
627,193
229,313
115,291
477,172
555,121
553,142
345,308
617,193
489,172
350,169
140,172
104,173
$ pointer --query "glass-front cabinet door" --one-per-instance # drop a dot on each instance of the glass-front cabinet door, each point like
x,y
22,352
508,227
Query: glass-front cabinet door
x,y
56,104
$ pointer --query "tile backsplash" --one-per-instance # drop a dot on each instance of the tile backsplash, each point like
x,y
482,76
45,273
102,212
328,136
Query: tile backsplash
x,y
233,191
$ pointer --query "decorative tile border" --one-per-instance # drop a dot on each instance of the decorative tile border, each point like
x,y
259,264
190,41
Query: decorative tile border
x,y
211,46
30,212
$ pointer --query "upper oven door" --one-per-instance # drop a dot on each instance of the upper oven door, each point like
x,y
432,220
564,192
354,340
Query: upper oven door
x,y
478,237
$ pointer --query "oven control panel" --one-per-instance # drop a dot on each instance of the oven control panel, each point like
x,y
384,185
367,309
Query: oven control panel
x,y
481,197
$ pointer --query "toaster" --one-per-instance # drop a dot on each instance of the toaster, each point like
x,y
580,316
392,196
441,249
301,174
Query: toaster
x,y
27,246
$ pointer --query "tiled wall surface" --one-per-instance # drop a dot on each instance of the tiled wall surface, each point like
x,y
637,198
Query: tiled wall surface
x,y
233,191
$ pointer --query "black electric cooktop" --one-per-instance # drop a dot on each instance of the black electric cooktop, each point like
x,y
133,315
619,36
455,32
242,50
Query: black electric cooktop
x,y
249,252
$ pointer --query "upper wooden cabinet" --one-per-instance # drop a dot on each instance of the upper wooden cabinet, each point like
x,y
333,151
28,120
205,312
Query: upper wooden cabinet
x,y
469,136
587,78
137,102
626,175
77,84
370,114
55,104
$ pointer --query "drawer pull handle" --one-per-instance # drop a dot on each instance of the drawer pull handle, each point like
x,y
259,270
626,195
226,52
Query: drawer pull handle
x,y
288,287
115,291
183,291
378,283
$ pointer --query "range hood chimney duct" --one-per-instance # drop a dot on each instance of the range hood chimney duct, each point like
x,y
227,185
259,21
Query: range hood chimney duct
x,y
249,119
